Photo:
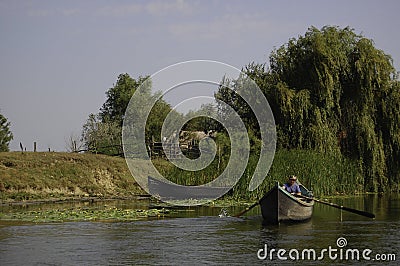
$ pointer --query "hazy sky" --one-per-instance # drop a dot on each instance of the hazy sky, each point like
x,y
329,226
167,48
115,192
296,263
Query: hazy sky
x,y
58,58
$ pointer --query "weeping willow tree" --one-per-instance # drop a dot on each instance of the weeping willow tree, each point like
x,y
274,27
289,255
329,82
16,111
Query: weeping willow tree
x,y
331,90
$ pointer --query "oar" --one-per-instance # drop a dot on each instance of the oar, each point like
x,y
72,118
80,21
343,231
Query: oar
x,y
363,213
246,210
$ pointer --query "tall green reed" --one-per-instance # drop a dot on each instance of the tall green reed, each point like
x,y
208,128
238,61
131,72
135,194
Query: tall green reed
x,y
325,174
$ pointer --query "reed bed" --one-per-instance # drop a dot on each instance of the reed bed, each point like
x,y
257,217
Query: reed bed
x,y
324,174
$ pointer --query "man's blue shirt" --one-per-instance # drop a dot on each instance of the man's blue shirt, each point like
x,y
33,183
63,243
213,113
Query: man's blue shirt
x,y
295,188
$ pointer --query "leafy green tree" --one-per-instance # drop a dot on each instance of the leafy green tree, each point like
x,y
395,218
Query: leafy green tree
x,y
332,91
5,134
102,133
118,98
202,120
102,137
332,87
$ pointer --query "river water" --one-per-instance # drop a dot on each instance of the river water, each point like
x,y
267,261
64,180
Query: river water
x,y
198,236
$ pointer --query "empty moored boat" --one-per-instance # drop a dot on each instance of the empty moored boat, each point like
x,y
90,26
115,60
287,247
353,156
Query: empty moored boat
x,y
171,191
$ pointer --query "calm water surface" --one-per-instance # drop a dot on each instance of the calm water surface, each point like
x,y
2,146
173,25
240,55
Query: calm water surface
x,y
198,236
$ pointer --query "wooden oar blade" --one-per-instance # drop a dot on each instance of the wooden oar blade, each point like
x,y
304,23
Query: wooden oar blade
x,y
363,213
359,212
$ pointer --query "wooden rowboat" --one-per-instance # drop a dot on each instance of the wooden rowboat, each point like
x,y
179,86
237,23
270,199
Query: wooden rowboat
x,y
171,191
278,205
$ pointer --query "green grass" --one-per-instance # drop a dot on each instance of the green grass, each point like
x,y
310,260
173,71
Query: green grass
x,y
188,178
44,175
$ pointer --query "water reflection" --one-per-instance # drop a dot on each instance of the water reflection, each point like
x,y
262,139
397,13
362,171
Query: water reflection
x,y
197,235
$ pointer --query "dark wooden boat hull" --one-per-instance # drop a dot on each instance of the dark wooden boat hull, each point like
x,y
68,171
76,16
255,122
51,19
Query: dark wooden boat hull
x,y
280,206
170,191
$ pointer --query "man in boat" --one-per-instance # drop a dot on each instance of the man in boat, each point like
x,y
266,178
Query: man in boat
x,y
291,186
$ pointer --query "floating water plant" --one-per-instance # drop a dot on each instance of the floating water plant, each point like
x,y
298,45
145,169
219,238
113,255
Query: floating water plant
x,y
84,214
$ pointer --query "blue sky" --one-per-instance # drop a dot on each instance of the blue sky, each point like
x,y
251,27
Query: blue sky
x,y
58,58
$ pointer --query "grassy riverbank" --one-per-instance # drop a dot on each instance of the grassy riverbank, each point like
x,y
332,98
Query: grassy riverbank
x,y
36,176
32,176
